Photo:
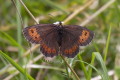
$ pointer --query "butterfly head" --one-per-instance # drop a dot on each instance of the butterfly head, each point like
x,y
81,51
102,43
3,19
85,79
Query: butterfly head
x,y
59,23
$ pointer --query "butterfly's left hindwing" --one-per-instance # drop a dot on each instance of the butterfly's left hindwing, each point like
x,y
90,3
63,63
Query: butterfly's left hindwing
x,y
50,46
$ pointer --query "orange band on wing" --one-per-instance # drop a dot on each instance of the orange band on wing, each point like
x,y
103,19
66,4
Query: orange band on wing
x,y
71,50
48,49
85,35
33,33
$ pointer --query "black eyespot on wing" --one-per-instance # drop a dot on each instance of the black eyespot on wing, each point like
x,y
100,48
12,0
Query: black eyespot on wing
x,y
32,35
86,37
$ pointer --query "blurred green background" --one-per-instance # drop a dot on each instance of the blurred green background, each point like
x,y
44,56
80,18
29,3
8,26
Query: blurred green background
x,y
100,16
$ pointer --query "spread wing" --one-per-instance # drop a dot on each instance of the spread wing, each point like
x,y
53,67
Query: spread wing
x,y
73,37
45,35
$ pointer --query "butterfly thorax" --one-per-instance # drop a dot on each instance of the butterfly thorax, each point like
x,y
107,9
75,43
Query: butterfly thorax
x,y
60,35
58,25
60,29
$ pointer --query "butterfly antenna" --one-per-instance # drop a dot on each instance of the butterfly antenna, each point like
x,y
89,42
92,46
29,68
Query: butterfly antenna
x,y
52,16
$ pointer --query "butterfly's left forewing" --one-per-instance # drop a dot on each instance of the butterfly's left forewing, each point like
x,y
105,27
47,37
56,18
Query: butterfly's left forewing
x,y
35,33
73,37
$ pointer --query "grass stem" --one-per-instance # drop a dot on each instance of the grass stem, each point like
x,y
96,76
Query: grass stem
x,y
76,76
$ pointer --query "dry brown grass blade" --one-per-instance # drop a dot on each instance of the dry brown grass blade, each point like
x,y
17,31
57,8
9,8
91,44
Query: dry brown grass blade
x,y
31,49
91,17
77,11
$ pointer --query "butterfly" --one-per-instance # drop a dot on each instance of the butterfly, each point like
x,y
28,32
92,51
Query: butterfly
x,y
57,38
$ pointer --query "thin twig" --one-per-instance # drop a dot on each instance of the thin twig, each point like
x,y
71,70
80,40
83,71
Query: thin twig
x,y
70,68
28,11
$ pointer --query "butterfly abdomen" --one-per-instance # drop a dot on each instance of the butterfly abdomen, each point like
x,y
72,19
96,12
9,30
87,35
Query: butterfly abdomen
x,y
60,35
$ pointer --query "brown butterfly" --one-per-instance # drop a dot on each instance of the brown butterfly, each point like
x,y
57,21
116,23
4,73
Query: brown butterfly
x,y
57,39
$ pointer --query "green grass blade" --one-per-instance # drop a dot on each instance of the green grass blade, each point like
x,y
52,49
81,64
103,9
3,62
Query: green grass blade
x,y
54,5
82,66
107,44
16,65
96,47
90,68
19,26
9,39
104,72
